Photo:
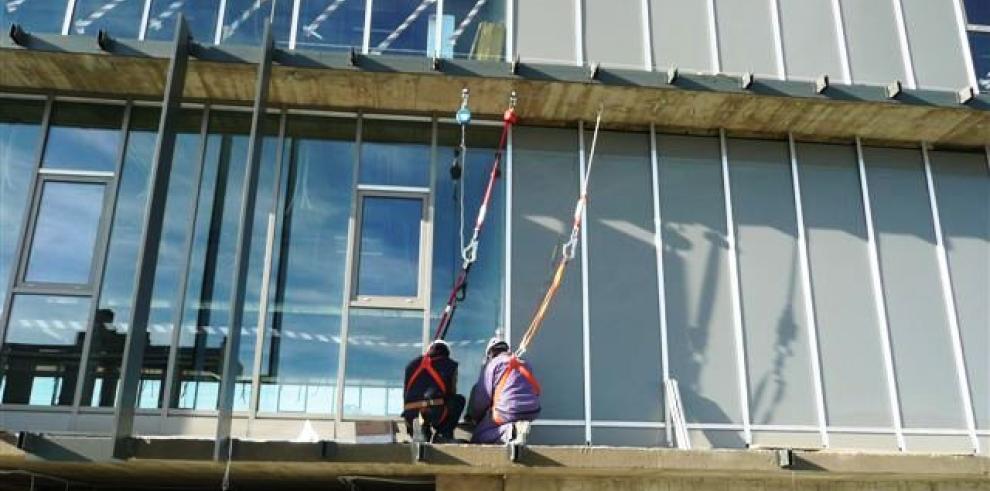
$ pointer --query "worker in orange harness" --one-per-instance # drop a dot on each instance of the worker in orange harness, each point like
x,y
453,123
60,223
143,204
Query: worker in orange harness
x,y
431,392
507,393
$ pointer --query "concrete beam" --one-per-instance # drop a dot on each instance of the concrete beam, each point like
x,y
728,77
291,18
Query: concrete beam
x,y
549,94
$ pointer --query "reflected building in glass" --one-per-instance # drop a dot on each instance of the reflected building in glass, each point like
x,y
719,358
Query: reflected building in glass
x,y
789,216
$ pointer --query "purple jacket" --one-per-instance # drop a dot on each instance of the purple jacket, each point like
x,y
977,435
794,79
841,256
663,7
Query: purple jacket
x,y
519,399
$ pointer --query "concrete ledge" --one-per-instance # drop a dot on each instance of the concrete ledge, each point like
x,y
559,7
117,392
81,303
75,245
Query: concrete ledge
x,y
549,94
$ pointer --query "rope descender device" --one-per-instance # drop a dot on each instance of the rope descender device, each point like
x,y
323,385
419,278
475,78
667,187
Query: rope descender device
x,y
469,252
463,118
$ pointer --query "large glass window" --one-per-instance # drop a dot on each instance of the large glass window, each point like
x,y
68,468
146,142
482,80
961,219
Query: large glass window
x,y
302,343
244,21
201,16
41,353
473,29
84,137
20,128
389,250
330,24
480,314
395,153
403,26
978,25
379,345
64,238
41,16
121,18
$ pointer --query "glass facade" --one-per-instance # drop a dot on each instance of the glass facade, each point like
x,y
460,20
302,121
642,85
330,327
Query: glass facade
x,y
978,25
357,238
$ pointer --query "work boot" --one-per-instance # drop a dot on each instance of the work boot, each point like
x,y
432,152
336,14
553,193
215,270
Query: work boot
x,y
520,432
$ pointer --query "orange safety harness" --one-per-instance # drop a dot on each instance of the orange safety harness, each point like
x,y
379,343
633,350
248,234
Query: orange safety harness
x,y
514,365
426,365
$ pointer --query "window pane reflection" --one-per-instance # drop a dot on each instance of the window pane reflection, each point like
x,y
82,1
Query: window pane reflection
x,y
389,247
329,24
84,137
20,127
200,15
40,358
396,154
40,16
122,18
402,26
244,21
979,42
65,233
379,345
299,362
480,313
473,29
977,12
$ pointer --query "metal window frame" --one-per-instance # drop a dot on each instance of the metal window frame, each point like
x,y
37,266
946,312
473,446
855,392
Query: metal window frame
x,y
811,320
507,249
647,16
418,302
427,272
661,282
145,16
579,54
713,46
960,16
585,297
218,30
70,10
778,39
880,303
366,35
952,313
734,287
510,30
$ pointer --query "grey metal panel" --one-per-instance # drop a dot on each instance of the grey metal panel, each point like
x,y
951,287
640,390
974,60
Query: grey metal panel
x,y
962,187
629,437
936,49
622,282
544,31
696,279
613,33
774,321
680,35
544,189
809,39
871,35
919,327
745,37
848,328
556,435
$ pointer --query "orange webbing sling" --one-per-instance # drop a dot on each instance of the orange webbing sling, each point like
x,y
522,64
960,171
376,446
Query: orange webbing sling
x,y
514,365
427,365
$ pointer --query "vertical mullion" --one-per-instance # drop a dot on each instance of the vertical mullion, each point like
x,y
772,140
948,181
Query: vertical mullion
x,y
880,302
950,305
345,310
585,307
809,303
737,321
579,32
21,245
145,14
967,53
507,252
713,38
267,268
366,39
294,26
426,239
647,36
102,251
221,12
661,286
438,30
70,9
902,38
778,39
841,41
510,31
182,288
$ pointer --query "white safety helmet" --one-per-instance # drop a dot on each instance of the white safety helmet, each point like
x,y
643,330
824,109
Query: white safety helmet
x,y
493,342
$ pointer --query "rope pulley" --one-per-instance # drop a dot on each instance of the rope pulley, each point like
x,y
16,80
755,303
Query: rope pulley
x,y
463,118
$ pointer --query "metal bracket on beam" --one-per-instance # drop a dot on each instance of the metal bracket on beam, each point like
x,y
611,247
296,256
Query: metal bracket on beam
x,y
435,63
18,35
514,451
965,95
894,89
418,451
672,75
514,66
242,255
821,83
785,458
593,70
352,58
104,40
746,80
147,257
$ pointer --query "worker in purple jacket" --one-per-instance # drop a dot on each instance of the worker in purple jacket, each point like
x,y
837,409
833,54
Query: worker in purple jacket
x,y
506,393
